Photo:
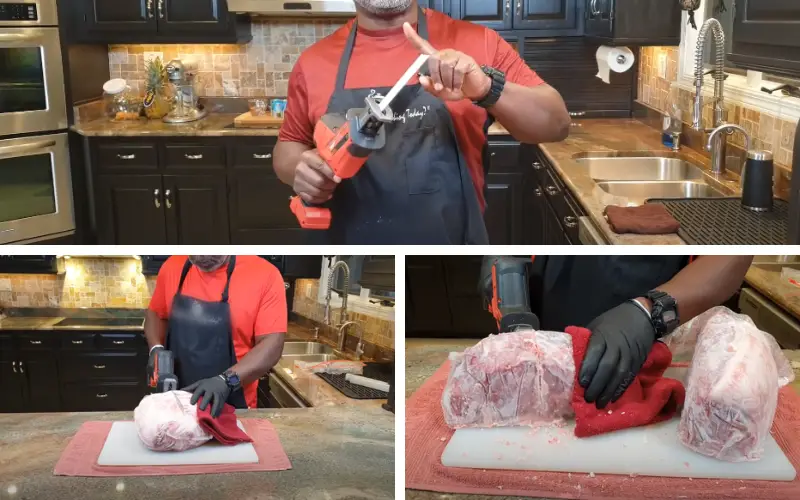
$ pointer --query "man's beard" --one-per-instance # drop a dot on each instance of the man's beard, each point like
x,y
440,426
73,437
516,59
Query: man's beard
x,y
208,263
384,7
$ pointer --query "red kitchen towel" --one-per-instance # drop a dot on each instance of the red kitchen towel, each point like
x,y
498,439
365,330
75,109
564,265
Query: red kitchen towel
x,y
223,428
79,458
427,436
650,398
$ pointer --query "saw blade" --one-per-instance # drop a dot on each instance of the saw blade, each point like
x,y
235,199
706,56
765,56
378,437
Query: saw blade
x,y
411,71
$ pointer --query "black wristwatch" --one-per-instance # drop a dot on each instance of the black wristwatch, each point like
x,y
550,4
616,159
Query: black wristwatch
x,y
664,313
498,84
233,380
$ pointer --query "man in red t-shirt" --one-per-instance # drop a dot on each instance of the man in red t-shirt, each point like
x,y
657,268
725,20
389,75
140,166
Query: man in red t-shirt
x,y
426,186
224,319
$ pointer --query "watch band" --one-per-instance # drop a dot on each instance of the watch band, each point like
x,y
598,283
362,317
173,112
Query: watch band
x,y
664,313
498,84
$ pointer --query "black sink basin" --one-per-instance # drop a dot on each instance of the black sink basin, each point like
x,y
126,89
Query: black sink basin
x,y
99,322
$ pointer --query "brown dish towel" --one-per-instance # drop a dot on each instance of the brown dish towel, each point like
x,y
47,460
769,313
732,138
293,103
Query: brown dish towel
x,y
652,218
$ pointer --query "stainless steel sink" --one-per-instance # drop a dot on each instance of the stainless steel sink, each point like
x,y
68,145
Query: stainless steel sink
x,y
638,192
312,358
776,263
305,348
632,168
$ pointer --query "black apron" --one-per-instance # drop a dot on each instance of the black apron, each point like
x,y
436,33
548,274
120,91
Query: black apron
x,y
574,290
200,336
417,189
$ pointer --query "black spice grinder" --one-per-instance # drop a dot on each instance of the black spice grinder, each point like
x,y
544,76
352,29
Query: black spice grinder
x,y
389,405
757,181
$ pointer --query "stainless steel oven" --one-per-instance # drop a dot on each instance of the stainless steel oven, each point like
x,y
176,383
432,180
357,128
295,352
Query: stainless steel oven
x,y
35,188
32,96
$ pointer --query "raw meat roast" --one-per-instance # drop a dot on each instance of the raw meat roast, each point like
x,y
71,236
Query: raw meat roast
x,y
732,388
167,422
520,378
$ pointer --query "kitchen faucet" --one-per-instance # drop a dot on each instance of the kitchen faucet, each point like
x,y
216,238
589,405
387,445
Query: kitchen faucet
x,y
343,312
718,143
342,337
726,129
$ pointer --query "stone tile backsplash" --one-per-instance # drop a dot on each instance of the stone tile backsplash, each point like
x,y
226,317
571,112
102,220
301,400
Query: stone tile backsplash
x,y
85,282
260,68
769,132
377,331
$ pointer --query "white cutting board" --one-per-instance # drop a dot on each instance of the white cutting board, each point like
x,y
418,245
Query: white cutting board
x,y
123,447
649,451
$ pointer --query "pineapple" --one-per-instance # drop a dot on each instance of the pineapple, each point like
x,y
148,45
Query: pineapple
x,y
156,101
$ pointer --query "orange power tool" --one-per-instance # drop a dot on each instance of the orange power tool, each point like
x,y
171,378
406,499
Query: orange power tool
x,y
504,286
345,143
163,378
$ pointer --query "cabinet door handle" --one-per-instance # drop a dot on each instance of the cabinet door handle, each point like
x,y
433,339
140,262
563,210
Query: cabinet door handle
x,y
36,342
150,9
508,6
100,367
126,157
14,366
198,156
551,190
575,114
519,9
570,221
257,156
493,153
536,165
21,369
118,342
101,396
161,9
167,195
537,192
77,342
593,8
156,199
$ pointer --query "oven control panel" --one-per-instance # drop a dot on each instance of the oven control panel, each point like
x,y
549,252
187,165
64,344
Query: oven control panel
x,y
18,12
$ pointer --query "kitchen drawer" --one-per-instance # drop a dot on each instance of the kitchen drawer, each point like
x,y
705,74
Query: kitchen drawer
x,y
122,156
122,341
37,341
77,341
554,192
106,396
504,157
191,155
6,343
92,366
253,156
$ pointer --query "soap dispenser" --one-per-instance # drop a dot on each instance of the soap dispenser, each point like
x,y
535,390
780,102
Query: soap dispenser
x,y
757,181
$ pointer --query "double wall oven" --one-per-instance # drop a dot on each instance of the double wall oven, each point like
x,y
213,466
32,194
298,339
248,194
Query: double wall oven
x,y
35,181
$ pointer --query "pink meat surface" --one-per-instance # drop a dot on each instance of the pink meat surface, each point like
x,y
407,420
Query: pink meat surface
x,y
732,388
168,422
520,378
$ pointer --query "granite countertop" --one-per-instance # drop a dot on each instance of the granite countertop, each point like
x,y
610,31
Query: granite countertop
x,y
768,281
337,452
618,137
425,356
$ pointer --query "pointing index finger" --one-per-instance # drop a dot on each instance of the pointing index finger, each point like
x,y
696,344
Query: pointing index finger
x,y
417,41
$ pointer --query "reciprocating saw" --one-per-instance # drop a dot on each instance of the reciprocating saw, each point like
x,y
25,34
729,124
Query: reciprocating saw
x,y
504,287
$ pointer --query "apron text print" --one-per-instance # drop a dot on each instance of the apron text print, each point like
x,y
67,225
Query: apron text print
x,y
408,114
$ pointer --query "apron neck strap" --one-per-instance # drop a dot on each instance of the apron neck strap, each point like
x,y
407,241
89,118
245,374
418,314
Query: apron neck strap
x,y
341,74
231,265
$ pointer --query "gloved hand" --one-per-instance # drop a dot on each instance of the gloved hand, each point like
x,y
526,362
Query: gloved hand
x,y
214,391
151,362
620,343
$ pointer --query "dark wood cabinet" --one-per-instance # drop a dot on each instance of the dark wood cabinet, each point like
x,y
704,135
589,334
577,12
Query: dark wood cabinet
x,y
633,22
462,273
196,209
545,18
427,309
154,21
130,210
504,208
40,374
12,382
766,36
28,264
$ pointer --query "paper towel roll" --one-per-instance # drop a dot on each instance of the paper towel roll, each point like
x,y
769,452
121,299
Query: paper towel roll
x,y
616,59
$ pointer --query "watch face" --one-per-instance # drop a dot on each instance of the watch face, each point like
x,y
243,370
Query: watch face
x,y
233,379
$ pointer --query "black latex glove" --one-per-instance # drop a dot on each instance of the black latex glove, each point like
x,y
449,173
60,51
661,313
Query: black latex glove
x,y
619,345
151,363
214,391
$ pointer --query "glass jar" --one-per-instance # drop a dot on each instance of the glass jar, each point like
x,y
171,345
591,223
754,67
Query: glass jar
x,y
120,101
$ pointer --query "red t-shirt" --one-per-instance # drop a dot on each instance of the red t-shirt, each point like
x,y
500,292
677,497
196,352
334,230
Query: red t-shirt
x,y
380,58
257,298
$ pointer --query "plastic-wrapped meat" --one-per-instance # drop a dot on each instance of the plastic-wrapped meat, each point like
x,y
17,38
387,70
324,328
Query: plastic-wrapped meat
x,y
167,422
732,388
520,378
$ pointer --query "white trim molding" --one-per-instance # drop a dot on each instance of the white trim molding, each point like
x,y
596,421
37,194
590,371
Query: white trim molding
x,y
737,90
355,303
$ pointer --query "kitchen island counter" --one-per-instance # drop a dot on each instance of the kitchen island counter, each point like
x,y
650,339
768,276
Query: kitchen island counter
x,y
336,452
